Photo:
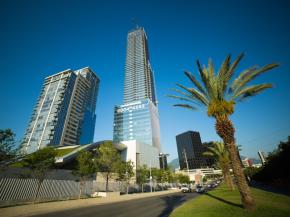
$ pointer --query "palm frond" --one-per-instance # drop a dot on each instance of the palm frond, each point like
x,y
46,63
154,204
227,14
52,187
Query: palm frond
x,y
221,77
240,78
233,67
181,92
249,76
186,106
225,66
250,91
226,72
210,68
183,98
195,82
201,73
208,153
195,94
204,77
210,81
186,95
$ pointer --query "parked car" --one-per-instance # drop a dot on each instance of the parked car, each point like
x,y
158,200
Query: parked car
x,y
199,189
185,189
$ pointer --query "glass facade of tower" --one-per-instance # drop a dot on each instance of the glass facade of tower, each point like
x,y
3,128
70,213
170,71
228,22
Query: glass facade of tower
x,y
137,121
190,149
65,111
138,118
139,80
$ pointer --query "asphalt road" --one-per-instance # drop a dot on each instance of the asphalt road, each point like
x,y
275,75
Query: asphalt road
x,y
156,206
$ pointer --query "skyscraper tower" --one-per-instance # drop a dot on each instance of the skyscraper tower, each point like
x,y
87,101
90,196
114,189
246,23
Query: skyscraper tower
x,y
262,157
138,119
139,80
65,111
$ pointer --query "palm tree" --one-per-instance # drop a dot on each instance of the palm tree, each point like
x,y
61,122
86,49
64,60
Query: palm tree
x,y
220,97
219,152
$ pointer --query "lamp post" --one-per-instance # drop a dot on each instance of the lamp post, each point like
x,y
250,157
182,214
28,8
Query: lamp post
x,y
186,161
150,178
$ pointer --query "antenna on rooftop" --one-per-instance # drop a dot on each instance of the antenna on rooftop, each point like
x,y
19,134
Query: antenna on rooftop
x,y
134,21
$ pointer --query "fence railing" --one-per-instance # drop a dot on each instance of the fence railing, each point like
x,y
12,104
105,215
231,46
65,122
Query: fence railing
x,y
20,190
16,190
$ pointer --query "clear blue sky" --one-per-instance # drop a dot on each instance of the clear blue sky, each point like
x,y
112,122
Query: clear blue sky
x,y
39,38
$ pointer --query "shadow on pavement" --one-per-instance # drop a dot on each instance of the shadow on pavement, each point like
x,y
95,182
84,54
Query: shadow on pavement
x,y
225,201
171,203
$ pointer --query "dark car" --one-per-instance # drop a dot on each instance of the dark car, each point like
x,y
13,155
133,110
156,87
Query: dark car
x,y
199,189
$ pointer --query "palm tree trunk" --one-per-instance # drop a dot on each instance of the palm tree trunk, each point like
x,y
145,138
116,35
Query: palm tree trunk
x,y
228,179
231,183
226,131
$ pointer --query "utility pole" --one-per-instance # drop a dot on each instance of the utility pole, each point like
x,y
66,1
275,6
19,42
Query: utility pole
x,y
150,178
186,161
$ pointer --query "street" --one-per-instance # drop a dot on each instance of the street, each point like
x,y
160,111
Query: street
x,y
156,206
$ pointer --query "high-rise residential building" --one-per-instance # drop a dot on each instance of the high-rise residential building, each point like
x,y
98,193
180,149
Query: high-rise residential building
x,y
247,162
190,149
138,119
262,157
65,111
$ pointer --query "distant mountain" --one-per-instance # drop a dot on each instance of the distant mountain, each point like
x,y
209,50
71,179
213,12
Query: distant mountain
x,y
174,164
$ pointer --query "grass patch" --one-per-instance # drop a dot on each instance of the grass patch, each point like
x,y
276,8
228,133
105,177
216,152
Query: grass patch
x,y
62,152
222,203
59,153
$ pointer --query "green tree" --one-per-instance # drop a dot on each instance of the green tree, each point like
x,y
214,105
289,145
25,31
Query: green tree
x,y
222,161
219,97
142,176
173,178
7,145
86,167
275,171
108,161
183,179
126,172
164,175
156,174
40,162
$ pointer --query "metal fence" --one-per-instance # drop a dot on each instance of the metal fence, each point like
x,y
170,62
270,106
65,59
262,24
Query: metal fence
x,y
17,190
24,190
20,190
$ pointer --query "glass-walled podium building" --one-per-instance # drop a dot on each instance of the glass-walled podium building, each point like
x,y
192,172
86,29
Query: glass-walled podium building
x,y
137,121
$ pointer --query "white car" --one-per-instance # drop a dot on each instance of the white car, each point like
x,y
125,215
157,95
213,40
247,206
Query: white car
x,y
185,189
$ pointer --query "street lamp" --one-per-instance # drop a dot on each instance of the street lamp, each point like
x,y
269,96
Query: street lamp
x,y
150,178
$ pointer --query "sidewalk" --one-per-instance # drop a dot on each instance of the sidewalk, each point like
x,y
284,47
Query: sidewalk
x,y
40,208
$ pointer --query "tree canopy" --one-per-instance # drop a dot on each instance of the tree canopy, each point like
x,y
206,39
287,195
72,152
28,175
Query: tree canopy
x,y
108,161
7,144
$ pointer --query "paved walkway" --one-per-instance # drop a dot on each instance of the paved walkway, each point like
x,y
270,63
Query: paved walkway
x,y
40,208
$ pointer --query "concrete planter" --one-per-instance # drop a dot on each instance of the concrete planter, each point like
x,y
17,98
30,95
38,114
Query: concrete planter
x,y
106,194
